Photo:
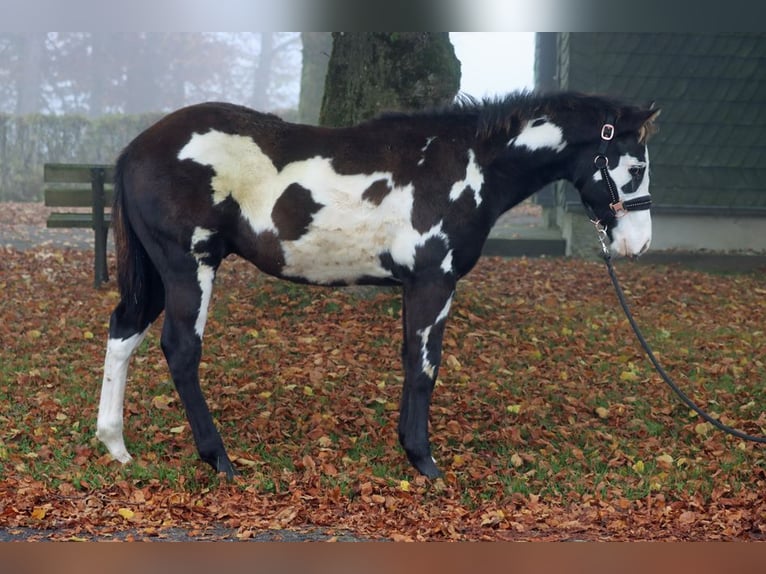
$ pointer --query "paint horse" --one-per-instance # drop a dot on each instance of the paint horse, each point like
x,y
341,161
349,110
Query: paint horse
x,y
403,199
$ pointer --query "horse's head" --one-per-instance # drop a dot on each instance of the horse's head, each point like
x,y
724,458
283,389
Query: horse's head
x,y
613,179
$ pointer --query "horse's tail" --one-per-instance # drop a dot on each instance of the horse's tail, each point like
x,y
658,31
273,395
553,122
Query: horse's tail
x,y
136,274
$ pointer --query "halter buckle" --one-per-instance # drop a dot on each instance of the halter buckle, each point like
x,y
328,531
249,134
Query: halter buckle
x,y
607,132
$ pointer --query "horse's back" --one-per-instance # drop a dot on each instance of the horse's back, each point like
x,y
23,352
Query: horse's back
x,y
162,141
162,170
322,205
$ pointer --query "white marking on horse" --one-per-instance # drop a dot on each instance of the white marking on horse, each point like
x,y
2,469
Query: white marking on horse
x,y
425,333
404,246
110,408
424,148
346,237
632,233
473,180
540,133
205,278
447,262
621,175
240,169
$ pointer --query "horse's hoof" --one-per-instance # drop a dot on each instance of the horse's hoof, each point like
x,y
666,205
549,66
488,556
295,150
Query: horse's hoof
x,y
227,468
221,464
427,467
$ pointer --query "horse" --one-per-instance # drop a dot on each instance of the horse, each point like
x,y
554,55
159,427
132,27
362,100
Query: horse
x,y
405,199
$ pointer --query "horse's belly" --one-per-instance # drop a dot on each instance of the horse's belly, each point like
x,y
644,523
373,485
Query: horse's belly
x,y
341,255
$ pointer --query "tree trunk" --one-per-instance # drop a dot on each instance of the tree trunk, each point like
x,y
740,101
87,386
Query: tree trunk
x,y
373,72
317,47
99,73
262,75
29,87
143,72
546,61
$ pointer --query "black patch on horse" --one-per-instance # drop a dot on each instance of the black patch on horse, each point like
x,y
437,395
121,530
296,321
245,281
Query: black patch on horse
x,y
431,197
377,192
263,249
293,212
637,176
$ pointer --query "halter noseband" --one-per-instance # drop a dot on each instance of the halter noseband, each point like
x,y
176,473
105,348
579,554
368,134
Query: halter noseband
x,y
601,161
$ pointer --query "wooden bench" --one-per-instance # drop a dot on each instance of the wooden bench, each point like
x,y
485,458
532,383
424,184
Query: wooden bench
x,y
82,186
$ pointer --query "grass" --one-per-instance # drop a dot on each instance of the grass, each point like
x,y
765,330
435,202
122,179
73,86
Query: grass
x,y
546,394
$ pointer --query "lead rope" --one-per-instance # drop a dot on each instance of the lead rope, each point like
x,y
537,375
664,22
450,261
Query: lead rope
x,y
665,377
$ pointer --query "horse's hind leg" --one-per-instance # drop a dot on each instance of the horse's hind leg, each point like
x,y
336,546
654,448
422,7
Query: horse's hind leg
x,y
127,328
188,294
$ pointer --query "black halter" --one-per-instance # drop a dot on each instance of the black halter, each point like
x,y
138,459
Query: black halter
x,y
601,161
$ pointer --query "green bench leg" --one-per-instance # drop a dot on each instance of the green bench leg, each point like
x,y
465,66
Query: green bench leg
x,y
101,274
99,226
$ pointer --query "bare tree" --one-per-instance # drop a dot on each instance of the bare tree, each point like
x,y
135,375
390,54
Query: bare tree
x,y
317,47
31,63
262,75
94,73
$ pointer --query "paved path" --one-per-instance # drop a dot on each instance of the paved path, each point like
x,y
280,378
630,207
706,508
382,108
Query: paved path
x,y
212,534
27,236
524,223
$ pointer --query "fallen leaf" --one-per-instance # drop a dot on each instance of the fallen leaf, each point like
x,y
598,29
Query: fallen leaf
x,y
453,363
628,376
687,517
162,401
665,461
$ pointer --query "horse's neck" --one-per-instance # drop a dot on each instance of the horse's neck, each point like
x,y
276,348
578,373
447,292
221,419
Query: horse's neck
x,y
506,190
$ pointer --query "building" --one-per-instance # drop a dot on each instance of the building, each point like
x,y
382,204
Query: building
x,y
708,162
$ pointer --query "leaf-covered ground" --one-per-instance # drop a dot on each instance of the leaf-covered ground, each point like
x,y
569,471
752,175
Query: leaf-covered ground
x,y
547,420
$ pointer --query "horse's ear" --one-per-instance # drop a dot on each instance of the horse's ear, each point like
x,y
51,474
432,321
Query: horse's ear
x,y
641,121
649,128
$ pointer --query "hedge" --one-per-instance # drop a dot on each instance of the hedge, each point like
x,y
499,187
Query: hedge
x,y
28,142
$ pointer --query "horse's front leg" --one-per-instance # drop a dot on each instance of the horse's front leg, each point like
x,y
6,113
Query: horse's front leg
x,y
425,308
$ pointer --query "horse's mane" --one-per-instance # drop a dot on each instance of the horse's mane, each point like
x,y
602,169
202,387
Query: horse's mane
x,y
505,114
